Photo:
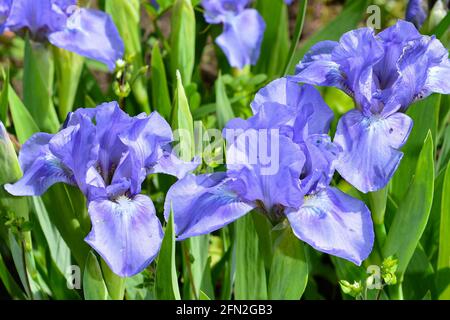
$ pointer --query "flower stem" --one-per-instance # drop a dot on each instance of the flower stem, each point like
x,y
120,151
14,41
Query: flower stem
x,y
187,259
378,200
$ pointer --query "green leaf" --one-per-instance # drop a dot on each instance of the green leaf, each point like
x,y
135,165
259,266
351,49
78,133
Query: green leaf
x,y
69,66
430,237
346,270
55,244
21,248
182,40
160,89
9,164
419,276
23,121
9,283
204,296
183,123
38,78
347,20
226,264
223,106
207,287
18,254
94,287
275,45
289,271
440,30
66,209
198,250
297,33
166,272
114,283
126,16
4,99
425,114
444,234
412,215
444,157
250,282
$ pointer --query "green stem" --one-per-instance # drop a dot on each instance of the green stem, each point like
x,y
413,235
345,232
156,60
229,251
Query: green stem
x,y
378,200
189,269
380,234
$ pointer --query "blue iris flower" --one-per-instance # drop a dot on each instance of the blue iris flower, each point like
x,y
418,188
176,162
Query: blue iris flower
x,y
416,12
87,32
385,74
243,30
108,155
295,120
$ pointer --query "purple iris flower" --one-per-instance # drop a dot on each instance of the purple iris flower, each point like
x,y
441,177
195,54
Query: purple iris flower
x,y
107,154
155,4
87,32
385,74
291,124
243,30
416,12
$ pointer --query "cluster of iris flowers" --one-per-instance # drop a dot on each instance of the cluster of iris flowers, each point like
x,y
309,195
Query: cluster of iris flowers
x,y
108,154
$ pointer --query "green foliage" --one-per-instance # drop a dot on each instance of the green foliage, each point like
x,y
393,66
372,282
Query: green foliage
x,y
166,273
173,66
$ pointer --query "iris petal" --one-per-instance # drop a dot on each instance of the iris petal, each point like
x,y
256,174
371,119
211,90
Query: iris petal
x,y
295,99
126,233
203,204
357,53
320,162
370,148
335,223
416,12
41,168
242,37
77,147
170,164
268,166
219,11
40,17
147,136
92,34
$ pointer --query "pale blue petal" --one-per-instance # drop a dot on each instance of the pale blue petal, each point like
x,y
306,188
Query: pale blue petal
x,y
242,37
77,148
357,53
126,233
370,146
92,34
334,223
203,204
219,11
268,166
170,164
146,137
38,16
41,168
416,12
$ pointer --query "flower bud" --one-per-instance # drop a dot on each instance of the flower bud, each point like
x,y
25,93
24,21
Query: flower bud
x,y
353,290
